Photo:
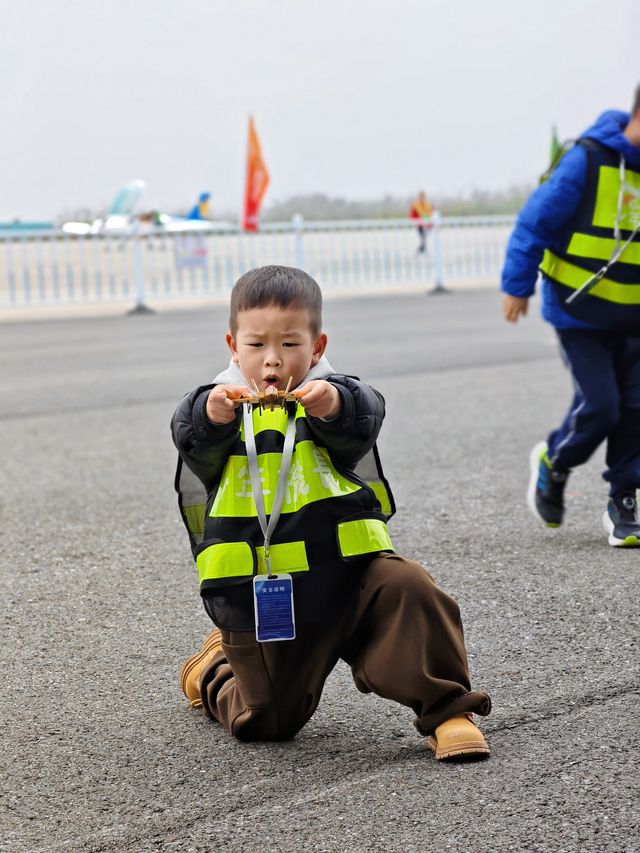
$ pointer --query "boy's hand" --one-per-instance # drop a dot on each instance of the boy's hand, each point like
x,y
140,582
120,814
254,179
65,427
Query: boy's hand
x,y
320,398
514,306
221,403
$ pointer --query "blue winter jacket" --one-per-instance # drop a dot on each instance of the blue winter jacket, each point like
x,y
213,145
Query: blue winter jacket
x,y
542,222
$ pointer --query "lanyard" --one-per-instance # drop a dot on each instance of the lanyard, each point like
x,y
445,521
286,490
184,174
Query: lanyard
x,y
616,227
256,481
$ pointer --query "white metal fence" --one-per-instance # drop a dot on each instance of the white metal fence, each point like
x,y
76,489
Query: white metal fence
x,y
358,256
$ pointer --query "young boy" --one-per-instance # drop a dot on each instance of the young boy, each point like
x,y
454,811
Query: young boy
x,y
582,230
323,524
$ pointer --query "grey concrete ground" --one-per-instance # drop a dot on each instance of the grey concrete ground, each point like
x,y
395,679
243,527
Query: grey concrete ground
x,y
99,605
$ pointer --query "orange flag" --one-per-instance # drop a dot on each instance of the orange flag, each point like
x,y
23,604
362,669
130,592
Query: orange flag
x,y
257,181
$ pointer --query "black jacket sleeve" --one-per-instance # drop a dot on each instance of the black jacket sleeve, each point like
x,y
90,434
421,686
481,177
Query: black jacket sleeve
x,y
203,446
353,433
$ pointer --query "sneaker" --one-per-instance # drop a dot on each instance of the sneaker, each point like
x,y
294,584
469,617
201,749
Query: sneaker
x,y
193,666
458,739
620,520
545,496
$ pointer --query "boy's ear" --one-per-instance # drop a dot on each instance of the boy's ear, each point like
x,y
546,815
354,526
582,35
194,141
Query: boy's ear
x,y
233,347
319,347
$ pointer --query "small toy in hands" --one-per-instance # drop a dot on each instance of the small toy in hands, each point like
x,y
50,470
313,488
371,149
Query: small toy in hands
x,y
270,398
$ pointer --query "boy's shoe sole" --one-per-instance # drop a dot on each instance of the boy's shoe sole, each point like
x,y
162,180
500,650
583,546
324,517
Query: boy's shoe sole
x,y
614,541
211,645
458,739
535,458
463,751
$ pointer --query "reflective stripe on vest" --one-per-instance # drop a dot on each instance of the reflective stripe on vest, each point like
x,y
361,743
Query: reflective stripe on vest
x,y
285,557
235,559
312,477
574,277
225,560
604,214
363,536
601,248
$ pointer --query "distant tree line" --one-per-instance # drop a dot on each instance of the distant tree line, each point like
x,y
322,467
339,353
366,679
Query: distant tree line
x,y
321,206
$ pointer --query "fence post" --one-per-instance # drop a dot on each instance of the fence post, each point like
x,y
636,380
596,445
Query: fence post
x,y
438,273
138,273
297,222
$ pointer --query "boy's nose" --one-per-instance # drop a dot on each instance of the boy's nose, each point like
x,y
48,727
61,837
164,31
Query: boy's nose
x,y
272,360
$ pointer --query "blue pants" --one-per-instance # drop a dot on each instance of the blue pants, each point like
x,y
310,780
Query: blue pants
x,y
606,405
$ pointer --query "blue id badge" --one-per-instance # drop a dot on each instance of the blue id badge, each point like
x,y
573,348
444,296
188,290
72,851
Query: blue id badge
x,y
273,605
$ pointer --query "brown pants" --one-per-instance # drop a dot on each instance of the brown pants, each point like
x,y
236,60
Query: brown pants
x,y
400,633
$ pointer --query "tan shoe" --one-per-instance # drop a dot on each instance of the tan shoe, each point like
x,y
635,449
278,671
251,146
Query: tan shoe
x,y
458,738
193,666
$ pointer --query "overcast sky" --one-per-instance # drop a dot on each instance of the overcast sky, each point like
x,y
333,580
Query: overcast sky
x,y
350,97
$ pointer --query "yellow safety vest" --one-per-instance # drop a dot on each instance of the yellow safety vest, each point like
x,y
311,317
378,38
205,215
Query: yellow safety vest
x,y
425,210
607,217
330,519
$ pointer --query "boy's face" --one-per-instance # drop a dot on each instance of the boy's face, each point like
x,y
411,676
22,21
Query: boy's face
x,y
272,343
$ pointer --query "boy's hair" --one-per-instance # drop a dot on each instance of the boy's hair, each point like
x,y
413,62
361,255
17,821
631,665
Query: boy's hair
x,y
286,287
636,102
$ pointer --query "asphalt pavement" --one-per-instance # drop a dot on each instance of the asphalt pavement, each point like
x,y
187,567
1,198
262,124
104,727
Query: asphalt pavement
x,y
99,604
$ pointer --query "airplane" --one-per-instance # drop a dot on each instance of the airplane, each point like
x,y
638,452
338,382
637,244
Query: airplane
x,y
119,219
197,220
122,219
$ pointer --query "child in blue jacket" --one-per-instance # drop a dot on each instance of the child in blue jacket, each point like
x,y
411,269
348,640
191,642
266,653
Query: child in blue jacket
x,y
581,229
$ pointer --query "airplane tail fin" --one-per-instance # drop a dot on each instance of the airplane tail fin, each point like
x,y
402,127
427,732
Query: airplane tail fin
x,y
201,210
127,199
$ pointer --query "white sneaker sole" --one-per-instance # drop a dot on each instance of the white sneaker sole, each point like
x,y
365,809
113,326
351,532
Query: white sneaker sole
x,y
534,467
627,542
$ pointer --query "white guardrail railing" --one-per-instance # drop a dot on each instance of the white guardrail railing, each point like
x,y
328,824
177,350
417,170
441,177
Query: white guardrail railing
x,y
51,268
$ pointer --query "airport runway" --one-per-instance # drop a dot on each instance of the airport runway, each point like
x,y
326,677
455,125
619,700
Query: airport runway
x,y
99,604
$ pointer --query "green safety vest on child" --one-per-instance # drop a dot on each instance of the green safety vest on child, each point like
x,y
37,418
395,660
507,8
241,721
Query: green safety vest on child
x,y
330,520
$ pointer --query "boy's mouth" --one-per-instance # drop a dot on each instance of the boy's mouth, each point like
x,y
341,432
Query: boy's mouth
x,y
270,380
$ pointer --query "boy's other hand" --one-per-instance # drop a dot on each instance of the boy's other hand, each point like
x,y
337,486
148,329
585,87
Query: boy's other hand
x,y
222,403
320,398
514,306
